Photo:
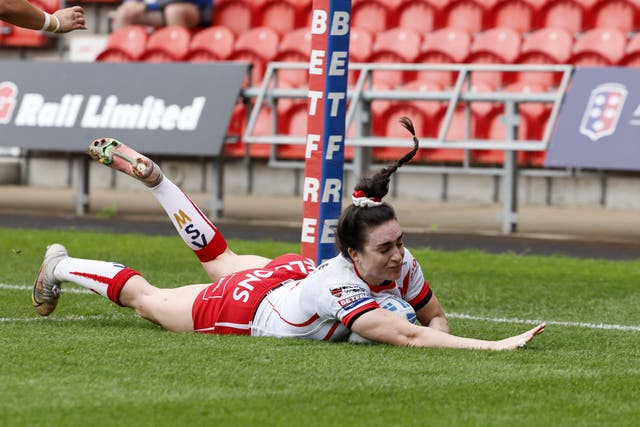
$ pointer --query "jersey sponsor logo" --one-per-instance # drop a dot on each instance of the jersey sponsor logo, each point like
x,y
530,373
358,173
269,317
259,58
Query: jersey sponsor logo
x,y
341,290
97,111
354,300
183,221
603,110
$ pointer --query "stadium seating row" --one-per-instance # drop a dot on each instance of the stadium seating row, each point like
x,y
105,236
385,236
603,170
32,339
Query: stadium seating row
x,y
427,15
486,123
424,16
261,45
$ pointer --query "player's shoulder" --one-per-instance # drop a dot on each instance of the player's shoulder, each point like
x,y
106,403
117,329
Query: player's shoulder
x,y
409,263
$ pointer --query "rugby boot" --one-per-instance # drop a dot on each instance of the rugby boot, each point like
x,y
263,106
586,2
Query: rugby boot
x,y
46,289
119,156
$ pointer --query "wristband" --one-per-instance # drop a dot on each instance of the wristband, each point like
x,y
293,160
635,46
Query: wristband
x,y
57,27
47,21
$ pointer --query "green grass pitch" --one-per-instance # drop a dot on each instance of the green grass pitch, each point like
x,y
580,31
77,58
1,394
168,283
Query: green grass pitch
x,y
93,363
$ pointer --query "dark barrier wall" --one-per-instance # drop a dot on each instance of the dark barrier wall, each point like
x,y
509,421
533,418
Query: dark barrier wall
x,y
599,122
174,108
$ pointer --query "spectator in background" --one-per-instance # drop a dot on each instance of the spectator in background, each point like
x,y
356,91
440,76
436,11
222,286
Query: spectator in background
x,y
23,14
159,13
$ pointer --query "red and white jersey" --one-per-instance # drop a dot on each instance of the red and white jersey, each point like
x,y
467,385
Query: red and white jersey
x,y
325,304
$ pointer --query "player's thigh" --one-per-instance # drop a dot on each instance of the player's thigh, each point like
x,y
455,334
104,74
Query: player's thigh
x,y
230,262
172,308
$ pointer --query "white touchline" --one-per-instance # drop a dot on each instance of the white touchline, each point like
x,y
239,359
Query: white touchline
x,y
585,325
28,288
70,318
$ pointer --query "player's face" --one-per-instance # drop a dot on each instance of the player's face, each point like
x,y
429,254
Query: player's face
x,y
381,257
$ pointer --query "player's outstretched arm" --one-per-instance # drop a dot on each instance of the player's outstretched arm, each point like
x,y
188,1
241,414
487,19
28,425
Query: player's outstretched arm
x,y
386,327
71,18
23,14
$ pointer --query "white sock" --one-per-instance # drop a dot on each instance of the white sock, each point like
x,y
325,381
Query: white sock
x,y
101,277
195,229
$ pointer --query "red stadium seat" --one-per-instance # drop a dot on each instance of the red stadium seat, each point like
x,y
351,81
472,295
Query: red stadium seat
x,y
482,109
469,15
443,46
360,45
623,15
167,44
496,131
457,132
4,30
494,46
47,5
631,56
519,15
424,114
295,46
420,15
125,44
378,108
282,15
398,45
544,46
24,37
374,15
293,123
599,47
263,127
476,126
531,126
236,15
571,15
211,44
258,46
533,112
237,126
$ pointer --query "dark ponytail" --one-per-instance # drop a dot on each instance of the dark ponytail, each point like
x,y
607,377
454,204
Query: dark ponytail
x,y
351,231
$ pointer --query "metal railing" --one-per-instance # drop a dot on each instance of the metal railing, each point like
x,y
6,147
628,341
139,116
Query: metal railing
x,y
359,113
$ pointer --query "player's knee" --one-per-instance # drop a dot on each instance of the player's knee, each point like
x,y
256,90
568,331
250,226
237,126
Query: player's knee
x,y
129,13
186,15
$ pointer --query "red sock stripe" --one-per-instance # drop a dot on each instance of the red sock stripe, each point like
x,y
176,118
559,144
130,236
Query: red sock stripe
x,y
214,248
117,283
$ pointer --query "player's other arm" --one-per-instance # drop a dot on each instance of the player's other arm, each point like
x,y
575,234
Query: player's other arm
x,y
432,315
386,327
23,14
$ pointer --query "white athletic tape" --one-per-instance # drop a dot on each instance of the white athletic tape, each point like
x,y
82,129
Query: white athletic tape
x,y
584,325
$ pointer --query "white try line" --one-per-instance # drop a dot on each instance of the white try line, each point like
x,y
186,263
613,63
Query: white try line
x,y
68,318
4,286
584,325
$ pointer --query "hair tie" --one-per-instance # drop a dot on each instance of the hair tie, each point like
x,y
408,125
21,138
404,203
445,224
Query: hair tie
x,y
360,199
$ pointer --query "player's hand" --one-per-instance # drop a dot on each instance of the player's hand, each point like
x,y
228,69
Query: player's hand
x,y
71,18
520,341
